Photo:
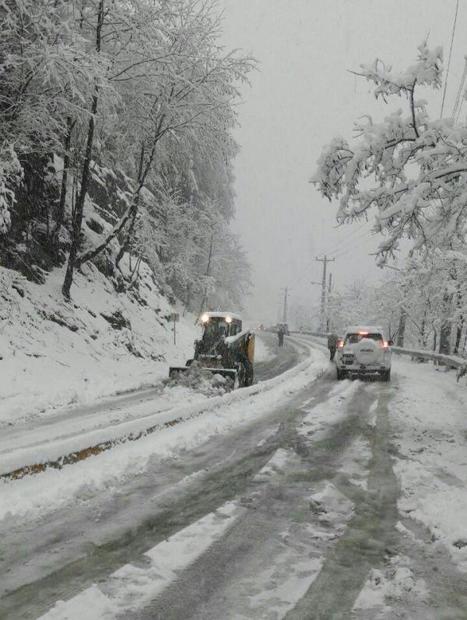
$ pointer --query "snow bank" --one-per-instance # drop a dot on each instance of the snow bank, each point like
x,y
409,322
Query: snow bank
x,y
51,489
55,353
429,413
262,352
50,451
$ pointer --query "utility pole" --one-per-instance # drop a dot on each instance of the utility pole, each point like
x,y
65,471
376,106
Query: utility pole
x,y
325,262
328,320
315,284
284,311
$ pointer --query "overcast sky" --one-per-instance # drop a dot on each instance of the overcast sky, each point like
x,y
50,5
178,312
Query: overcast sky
x,y
300,98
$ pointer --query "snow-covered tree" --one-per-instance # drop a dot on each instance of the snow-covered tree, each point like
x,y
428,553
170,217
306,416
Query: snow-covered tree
x,y
121,110
410,172
174,81
45,72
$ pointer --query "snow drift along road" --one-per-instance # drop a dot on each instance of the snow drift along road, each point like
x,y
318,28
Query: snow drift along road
x,y
62,450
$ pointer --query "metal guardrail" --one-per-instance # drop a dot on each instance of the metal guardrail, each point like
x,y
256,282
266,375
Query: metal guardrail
x,y
307,333
450,361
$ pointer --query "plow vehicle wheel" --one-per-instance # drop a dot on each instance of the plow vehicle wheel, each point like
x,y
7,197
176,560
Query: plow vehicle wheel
x,y
341,374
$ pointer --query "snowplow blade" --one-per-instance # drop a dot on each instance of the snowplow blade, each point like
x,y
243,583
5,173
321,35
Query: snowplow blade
x,y
175,370
228,373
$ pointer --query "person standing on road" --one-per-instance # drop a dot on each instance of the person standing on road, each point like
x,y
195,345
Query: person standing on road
x,y
332,345
280,335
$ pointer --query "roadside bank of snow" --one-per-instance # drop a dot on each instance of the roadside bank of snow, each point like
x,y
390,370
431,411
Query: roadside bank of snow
x,y
34,495
55,353
47,442
263,353
429,413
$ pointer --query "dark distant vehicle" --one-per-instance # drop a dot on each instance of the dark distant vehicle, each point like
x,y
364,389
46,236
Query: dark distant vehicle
x,y
284,327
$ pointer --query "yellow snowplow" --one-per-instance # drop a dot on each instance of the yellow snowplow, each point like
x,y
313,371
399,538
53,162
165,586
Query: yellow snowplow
x,y
224,349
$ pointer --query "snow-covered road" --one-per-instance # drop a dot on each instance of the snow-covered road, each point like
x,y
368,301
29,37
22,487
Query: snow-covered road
x,y
51,437
312,499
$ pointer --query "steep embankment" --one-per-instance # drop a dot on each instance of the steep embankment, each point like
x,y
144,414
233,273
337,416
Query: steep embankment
x,y
55,353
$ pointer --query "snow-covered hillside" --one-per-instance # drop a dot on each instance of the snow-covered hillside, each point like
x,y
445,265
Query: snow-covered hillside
x,y
55,353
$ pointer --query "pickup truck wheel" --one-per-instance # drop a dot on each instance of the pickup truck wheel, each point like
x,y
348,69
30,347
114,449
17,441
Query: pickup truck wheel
x,y
340,374
386,375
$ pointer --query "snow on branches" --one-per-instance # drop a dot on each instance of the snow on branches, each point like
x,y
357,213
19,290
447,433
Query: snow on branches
x,y
10,173
427,71
409,170
110,107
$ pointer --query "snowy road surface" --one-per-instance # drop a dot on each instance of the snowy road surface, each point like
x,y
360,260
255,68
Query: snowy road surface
x,y
49,437
312,499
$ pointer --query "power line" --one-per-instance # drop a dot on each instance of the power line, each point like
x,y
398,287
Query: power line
x,y
460,110
346,251
349,238
284,309
449,59
328,319
348,244
458,101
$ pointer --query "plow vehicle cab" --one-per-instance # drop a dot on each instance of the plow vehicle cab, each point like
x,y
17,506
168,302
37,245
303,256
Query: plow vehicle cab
x,y
224,348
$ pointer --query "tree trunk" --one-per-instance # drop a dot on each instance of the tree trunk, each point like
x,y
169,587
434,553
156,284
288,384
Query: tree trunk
x,y
87,256
187,298
446,326
126,243
459,329
460,322
208,271
60,212
445,338
79,208
132,210
401,327
423,332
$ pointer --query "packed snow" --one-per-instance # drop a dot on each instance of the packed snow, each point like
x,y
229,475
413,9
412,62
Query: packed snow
x,y
130,587
429,414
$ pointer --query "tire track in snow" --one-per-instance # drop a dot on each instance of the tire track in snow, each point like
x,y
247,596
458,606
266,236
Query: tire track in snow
x,y
233,574
131,586
218,483
370,534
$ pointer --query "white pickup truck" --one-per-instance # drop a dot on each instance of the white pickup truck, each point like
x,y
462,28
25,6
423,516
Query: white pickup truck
x,y
364,351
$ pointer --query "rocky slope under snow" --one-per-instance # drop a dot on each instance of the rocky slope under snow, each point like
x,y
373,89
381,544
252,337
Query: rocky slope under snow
x,y
55,353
